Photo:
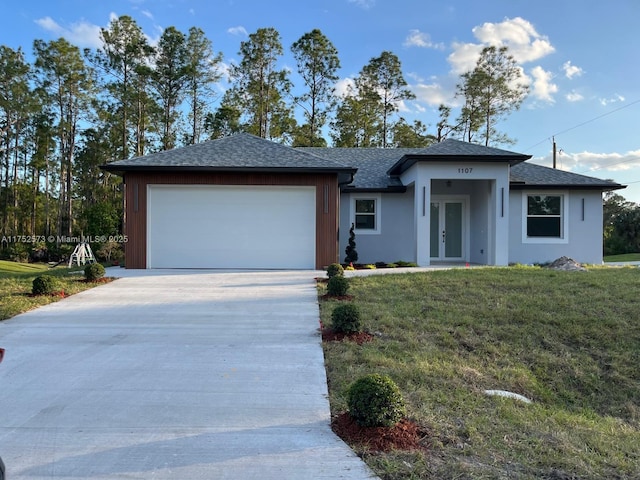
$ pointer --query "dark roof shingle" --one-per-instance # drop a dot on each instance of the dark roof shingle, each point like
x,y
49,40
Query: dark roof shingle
x,y
238,152
526,175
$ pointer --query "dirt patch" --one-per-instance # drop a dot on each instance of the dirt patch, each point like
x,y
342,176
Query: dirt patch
x,y
405,435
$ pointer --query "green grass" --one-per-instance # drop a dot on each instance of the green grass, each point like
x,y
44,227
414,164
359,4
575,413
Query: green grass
x,y
16,281
625,257
15,267
570,341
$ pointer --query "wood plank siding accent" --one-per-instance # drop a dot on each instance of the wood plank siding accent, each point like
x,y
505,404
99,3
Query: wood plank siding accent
x,y
135,225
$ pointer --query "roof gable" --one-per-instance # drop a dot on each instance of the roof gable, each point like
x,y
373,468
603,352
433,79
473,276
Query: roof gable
x,y
238,152
450,149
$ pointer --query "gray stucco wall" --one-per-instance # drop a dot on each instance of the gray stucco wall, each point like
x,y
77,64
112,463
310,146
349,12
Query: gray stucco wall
x,y
396,240
584,232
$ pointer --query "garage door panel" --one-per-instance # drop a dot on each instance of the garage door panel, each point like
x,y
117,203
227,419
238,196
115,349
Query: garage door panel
x,y
231,227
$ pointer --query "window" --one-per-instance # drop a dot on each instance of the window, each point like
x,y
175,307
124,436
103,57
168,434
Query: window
x,y
545,218
365,213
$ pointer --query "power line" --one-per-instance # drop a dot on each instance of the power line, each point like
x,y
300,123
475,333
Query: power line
x,y
584,123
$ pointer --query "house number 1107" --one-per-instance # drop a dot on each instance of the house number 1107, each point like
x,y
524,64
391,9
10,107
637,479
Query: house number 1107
x,y
465,170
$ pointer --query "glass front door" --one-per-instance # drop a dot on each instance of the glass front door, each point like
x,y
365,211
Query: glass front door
x,y
447,230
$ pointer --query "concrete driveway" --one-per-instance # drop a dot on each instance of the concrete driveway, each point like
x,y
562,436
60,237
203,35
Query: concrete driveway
x,y
172,375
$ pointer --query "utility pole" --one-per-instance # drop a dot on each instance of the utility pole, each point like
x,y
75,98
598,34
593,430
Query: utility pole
x,y
554,152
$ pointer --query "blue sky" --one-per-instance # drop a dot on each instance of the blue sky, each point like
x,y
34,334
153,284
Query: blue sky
x,y
582,58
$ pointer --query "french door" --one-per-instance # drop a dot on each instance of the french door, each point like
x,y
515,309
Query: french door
x,y
448,229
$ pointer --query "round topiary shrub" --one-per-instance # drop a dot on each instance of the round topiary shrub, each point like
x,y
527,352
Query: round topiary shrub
x,y
375,401
335,269
93,271
44,285
346,319
337,286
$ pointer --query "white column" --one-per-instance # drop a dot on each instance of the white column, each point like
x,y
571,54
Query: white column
x,y
501,232
423,217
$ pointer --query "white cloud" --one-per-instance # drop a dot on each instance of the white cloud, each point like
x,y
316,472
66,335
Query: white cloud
x,y
464,57
574,96
586,162
416,38
571,71
344,87
517,34
525,44
615,99
366,4
543,88
147,14
432,94
239,30
82,34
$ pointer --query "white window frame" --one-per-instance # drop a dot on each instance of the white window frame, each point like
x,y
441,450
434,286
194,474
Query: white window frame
x,y
564,217
377,198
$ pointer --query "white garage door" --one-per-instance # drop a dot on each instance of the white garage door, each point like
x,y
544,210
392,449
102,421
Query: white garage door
x,y
193,226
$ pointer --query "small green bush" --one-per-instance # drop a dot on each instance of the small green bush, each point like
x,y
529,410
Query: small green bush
x,y
375,401
402,263
93,271
346,319
337,286
335,269
44,285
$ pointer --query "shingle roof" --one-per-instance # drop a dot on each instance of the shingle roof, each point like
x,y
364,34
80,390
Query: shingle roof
x,y
372,164
526,175
377,168
458,148
238,152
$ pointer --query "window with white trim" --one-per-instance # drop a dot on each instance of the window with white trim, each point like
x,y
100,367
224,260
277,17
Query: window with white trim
x,y
365,213
545,217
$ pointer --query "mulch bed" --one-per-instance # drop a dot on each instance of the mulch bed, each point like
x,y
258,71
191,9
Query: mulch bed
x,y
406,435
99,280
329,335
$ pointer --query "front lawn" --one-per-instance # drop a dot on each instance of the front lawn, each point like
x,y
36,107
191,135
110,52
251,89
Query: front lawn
x,y
16,281
625,257
569,341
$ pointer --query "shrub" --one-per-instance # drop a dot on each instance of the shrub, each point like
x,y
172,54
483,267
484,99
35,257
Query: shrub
x,y
337,286
44,285
335,269
346,319
350,251
402,263
93,271
375,401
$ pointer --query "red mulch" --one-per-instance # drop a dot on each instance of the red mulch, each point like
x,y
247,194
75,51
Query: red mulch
x,y
98,280
329,335
406,435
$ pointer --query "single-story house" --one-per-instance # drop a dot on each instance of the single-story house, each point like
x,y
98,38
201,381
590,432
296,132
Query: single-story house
x,y
246,202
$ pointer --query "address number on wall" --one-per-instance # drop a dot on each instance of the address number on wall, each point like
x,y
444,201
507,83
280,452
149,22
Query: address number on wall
x,y
465,170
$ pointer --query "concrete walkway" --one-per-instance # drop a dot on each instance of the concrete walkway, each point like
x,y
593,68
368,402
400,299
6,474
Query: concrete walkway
x,y
172,375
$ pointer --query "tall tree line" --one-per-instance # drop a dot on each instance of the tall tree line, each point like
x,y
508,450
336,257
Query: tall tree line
x,y
70,111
